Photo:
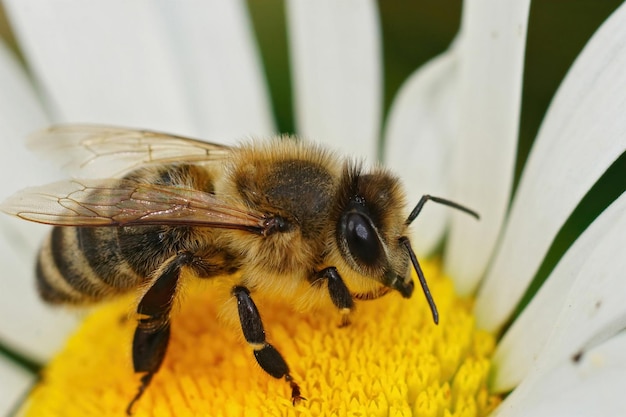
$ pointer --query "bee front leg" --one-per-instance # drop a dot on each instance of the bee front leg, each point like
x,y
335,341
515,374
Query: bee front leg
x,y
339,293
266,355
152,334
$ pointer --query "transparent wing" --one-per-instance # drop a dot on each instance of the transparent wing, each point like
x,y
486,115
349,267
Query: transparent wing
x,y
103,151
119,202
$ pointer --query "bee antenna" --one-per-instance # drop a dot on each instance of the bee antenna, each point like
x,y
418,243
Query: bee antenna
x,y
405,241
422,279
439,200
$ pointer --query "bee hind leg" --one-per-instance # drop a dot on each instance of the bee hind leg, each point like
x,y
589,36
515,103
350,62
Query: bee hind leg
x,y
152,334
266,355
149,347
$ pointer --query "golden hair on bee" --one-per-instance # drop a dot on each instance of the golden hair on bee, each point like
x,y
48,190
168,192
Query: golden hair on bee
x,y
282,217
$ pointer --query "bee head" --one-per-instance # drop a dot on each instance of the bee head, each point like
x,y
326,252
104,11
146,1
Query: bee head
x,y
371,231
370,226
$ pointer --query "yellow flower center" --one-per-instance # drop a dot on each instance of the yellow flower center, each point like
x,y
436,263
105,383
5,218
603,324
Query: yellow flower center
x,y
391,361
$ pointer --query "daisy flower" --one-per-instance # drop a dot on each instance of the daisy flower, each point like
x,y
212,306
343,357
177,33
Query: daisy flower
x,y
194,69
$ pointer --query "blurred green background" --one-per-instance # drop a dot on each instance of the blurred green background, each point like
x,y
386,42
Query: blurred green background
x,y
415,31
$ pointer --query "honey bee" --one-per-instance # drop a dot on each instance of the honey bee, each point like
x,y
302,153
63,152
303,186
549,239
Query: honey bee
x,y
278,214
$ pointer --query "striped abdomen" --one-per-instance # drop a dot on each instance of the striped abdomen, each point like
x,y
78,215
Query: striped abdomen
x,y
78,265
86,264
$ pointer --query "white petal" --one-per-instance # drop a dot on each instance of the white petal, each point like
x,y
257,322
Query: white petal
x,y
566,293
337,72
190,69
493,37
15,383
419,137
220,65
594,386
582,135
103,61
27,324
20,114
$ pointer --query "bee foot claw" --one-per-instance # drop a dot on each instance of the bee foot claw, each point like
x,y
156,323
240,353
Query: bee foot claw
x,y
295,391
296,400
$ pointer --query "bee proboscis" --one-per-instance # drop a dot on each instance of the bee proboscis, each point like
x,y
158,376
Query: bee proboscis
x,y
277,214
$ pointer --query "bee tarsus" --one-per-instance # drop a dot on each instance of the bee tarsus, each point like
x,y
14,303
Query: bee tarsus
x,y
145,381
295,391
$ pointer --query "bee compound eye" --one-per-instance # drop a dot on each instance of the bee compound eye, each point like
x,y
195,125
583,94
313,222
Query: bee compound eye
x,y
361,238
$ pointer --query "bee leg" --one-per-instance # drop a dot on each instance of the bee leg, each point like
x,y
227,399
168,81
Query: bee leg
x,y
339,293
152,334
266,355
149,347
